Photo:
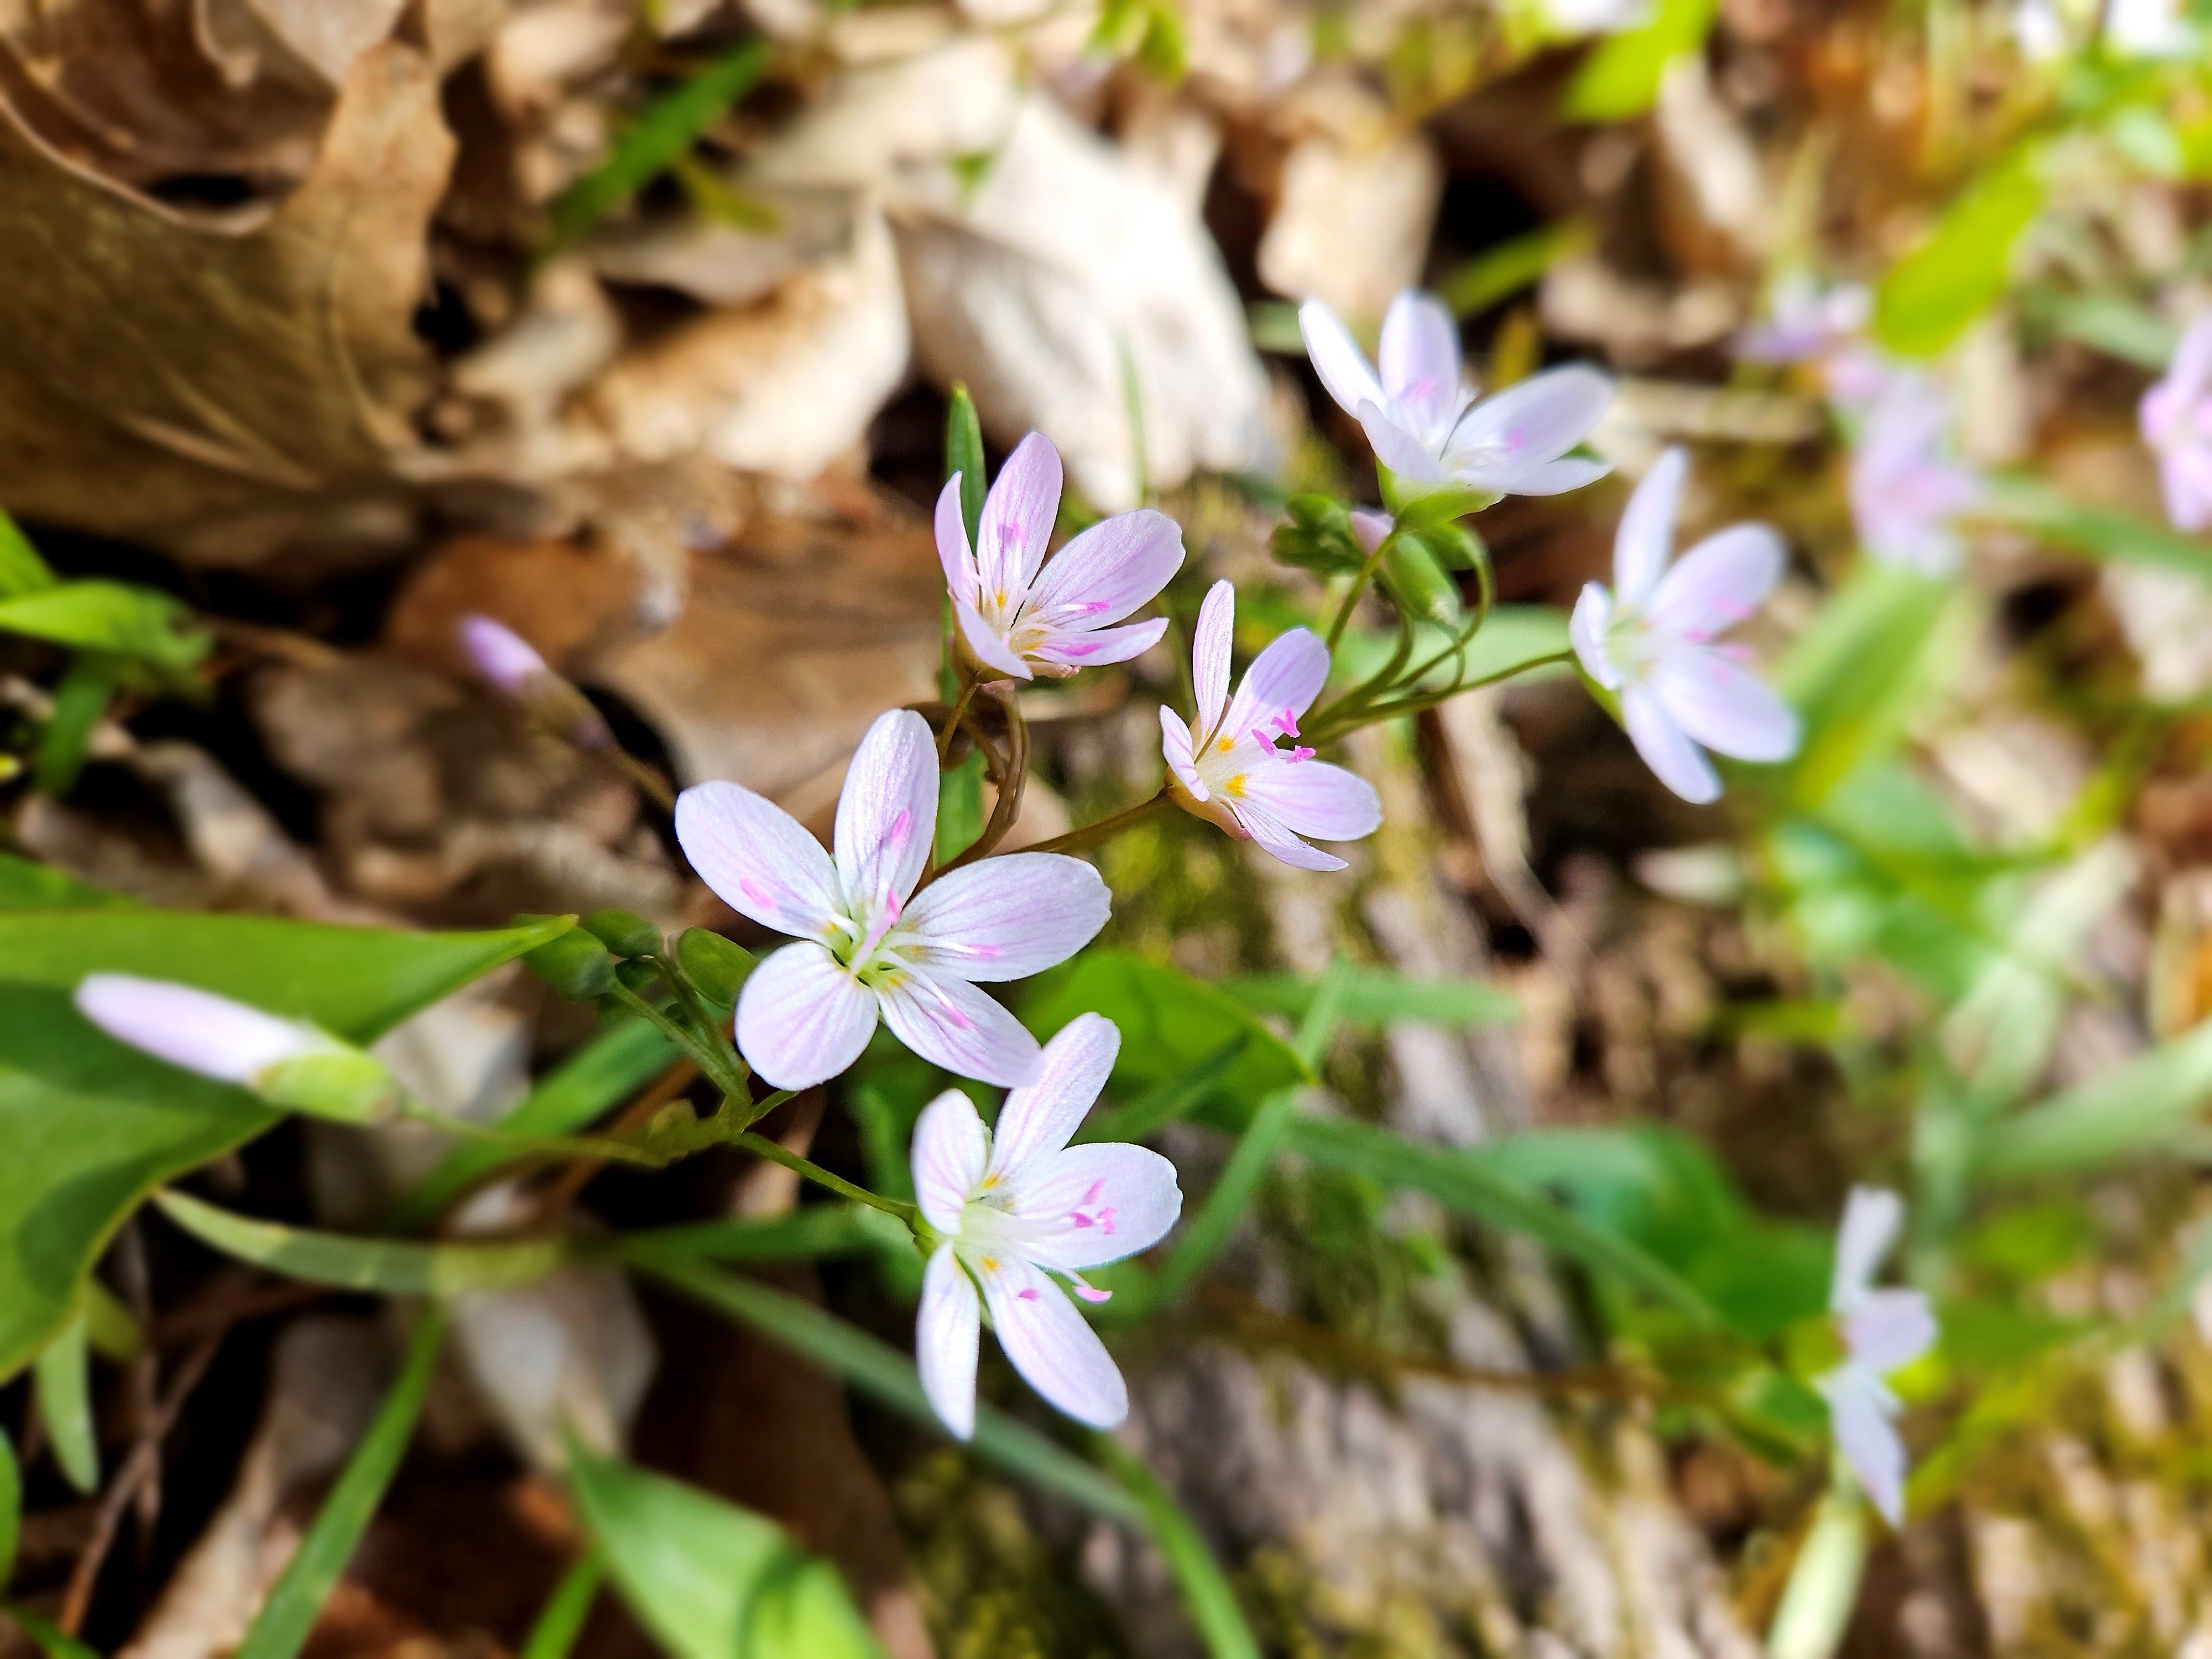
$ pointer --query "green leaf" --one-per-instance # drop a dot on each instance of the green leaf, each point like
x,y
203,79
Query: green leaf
x,y
92,1126
1511,266
964,455
2128,1110
708,1579
669,127
27,886
50,1639
1163,1103
2100,533
79,702
280,1628
1206,1591
21,570
64,1381
960,807
1620,77
597,1078
396,1266
561,1620
888,1377
1169,1022
97,616
1377,997
11,1507
1932,295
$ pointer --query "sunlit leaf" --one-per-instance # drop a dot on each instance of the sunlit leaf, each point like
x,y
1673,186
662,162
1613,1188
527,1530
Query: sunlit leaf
x,y
21,570
2127,1111
1620,78
101,616
1931,296
396,1266
1169,1022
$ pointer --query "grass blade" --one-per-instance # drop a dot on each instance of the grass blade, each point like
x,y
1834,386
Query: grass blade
x,y
964,455
1205,1590
561,1620
11,1508
280,1628
396,1267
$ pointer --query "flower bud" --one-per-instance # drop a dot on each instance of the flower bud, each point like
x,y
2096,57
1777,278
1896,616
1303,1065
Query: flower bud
x,y
715,966
640,977
625,933
288,1063
510,664
573,963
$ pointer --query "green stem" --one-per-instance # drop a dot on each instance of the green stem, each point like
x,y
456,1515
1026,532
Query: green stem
x,y
716,1059
599,1147
774,1152
1359,587
1327,729
1091,834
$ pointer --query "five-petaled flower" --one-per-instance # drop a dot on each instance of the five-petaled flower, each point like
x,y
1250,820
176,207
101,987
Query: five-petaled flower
x,y
1021,615
1015,1213
1907,487
867,942
1650,639
1882,1331
1416,410
2177,423
1228,767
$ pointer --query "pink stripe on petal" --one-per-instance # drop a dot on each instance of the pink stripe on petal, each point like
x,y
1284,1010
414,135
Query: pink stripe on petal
x,y
1084,1207
1175,749
802,1018
1316,800
953,552
1720,582
950,1023
1112,568
759,858
1053,1347
1031,910
1538,420
989,646
1017,517
1723,706
1286,677
1038,1117
1419,358
1260,829
1209,654
890,787
1107,645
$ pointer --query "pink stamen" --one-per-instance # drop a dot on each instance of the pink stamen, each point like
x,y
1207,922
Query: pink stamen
x,y
1092,1293
1300,754
1288,722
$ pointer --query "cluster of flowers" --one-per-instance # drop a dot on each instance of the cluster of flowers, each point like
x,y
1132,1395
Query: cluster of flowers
x,y
1010,1221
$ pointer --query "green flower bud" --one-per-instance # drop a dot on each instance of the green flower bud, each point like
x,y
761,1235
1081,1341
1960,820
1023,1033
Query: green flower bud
x,y
575,964
641,977
714,966
1419,583
341,1084
625,933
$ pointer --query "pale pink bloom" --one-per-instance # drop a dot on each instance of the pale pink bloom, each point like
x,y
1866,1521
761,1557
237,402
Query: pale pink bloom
x,y
1016,1212
1424,421
867,943
2176,415
1883,1331
197,1029
1908,487
1369,527
510,664
1229,766
1024,615
1650,639
1828,330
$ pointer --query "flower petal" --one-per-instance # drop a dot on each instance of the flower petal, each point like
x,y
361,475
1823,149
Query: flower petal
x,y
1369,527
1539,419
802,1018
1586,629
2190,376
1535,478
953,550
947,1330
1274,838
1286,677
1720,703
1873,1218
1666,748
1084,1207
1343,367
1886,1330
1400,451
1419,358
1107,571
758,858
1075,649
502,656
1645,539
950,1023
951,1149
1719,582
887,812
1209,653
1006,917
197,1029
1017,518
1039,1116
1313,797
989,646
1859,1410
1053,1347
1175,749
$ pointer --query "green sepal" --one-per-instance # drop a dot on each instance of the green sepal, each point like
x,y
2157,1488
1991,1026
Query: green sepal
x,y
625,933
574,964
716,968
1318,537
1419,584
342,1084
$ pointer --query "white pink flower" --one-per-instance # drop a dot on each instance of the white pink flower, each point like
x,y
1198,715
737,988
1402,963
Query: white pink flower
x,y
2176,415
1908,487
1650,639
1883,1331
1424,421
1024,615
867,943
1827,329
1017,1211
197,1029
1229,766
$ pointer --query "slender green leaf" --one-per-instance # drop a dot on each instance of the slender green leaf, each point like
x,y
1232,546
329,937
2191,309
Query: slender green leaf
x,y
11,1507
669,127
1169,1022
960,807
1163,1103
1376,996
396,1266
99,615
64,1380
2100,533
1620,78
2118,327
80,700
1511,266
2128,1111
708,1579
92,1126
1200,1238
21,570
280,1628
589,1083
50,1639
888,1377
812,1230
1936,292
964,455
27,886
1206,1591
109,1327
561,1620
